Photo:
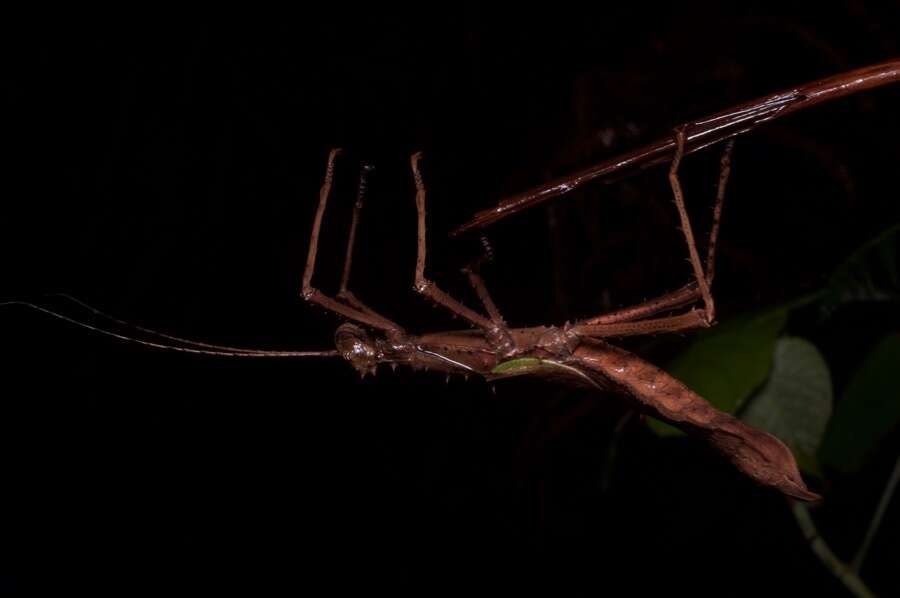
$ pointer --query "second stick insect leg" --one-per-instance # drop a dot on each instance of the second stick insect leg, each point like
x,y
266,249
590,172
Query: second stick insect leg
x,y
709,308
690,293
494,328
635,320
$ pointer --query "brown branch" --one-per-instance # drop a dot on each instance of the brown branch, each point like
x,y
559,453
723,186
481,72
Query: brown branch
x,y
699,134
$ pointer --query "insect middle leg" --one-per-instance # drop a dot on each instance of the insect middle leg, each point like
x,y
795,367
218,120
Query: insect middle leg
x,y
481,290
495,328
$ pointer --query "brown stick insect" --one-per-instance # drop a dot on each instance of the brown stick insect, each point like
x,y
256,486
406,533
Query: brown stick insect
x,y
578,354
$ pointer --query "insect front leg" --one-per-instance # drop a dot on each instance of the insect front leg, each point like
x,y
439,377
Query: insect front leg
x,y
344,294
312,294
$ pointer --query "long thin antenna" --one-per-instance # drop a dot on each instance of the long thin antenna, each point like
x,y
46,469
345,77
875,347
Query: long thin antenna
x,y
222,352
151,331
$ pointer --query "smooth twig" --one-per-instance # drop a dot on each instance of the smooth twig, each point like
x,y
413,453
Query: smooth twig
x,y
883,503
820,548
699,134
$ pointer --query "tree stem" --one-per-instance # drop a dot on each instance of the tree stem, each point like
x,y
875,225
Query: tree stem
x,y
820,548
883,503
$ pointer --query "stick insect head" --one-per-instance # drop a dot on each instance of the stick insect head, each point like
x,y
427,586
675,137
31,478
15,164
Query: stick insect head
x,y
356,346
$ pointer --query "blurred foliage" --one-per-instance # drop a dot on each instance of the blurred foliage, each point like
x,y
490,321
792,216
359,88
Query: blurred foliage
x,y
870,273
795,402
728,362
868,410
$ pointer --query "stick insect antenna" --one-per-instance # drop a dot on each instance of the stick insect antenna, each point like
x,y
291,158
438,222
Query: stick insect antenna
x,y
150,331
216,350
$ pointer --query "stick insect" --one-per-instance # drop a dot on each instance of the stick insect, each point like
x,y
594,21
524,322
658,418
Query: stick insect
x,y
578,354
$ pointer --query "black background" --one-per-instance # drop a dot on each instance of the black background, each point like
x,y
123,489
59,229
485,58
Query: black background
x,y
167,171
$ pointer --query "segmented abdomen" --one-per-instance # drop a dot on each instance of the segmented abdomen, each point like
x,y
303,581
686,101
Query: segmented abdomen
x,y
756,453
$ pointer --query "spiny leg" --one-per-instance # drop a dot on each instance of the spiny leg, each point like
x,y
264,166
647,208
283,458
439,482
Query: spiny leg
x,y
636,320
344,294
690,292
724,173
702,283
312,294
481,290
682,297
423,285
499,335
473,273
694,318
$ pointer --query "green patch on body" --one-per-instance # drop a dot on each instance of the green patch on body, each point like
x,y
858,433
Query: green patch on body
x,y
515,367
525,366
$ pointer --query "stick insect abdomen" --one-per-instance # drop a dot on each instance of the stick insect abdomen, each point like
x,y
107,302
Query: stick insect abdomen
x,y
756,453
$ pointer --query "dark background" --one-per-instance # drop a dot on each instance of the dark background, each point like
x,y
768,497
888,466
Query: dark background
x,y
167,172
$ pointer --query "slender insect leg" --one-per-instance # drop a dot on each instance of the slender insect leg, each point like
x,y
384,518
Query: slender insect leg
x,y
695,318
423,285
686,295
724,173
689,293
312,294
696,265
473,273
478,284
344,294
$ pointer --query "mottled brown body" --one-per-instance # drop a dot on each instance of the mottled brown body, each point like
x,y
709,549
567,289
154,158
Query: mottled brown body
x,y
587,362
758,454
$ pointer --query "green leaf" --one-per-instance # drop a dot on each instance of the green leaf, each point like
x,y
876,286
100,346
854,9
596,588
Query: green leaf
x,y
795,402
868,410
725,364
871,273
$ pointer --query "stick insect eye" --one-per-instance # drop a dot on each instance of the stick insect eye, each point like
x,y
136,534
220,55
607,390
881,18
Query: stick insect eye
x,y
357,347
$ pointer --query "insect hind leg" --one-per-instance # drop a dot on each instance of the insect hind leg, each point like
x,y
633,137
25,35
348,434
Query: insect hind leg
x,y
703,279
637,319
